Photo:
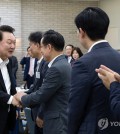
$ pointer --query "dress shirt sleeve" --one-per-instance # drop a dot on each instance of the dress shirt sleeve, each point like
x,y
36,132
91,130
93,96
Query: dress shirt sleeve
x,y
10,100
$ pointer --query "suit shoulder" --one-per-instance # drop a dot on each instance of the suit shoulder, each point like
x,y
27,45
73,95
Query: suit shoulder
x,y
86,57
61,63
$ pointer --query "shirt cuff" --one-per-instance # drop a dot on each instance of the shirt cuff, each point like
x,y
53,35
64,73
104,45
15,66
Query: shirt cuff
x,y
10,100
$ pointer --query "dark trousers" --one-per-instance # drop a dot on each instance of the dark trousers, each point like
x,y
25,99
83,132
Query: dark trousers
x,y
38,130
6,131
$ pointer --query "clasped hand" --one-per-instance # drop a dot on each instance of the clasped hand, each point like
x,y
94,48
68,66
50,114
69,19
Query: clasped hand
x,y
16,101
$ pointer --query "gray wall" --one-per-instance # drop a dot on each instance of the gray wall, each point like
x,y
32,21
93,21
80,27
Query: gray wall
x,y
31,15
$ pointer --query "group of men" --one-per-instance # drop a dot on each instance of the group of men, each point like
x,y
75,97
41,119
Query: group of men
x,y
63,102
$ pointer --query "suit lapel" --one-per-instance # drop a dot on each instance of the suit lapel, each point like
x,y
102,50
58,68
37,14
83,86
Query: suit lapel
x,y
2,81
12,90
35,65
41,65
9,71
38,69
11,79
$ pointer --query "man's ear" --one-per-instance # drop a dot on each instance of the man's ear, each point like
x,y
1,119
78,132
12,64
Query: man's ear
x,y
38,45
82,32
49,47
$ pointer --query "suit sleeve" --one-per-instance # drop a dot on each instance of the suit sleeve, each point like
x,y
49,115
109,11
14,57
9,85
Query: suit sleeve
x,y
30,90
115,99
79,95
4,97
23,61
50,85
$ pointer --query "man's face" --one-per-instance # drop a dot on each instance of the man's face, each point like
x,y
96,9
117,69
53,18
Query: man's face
x,y
35,49
82,37
46,50
7,45
68,50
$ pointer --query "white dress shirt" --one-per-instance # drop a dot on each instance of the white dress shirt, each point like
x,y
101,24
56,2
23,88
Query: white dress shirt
x,y
69,59
6,77
31,69
96,44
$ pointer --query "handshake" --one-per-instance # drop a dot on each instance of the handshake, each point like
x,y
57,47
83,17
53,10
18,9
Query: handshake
x,y
16,101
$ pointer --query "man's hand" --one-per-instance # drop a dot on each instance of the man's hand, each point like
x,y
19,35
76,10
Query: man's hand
x,y
107,75
15,102
116,75
19,95
39,122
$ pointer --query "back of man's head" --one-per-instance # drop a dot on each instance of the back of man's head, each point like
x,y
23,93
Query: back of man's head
x,y
94,21
6,28
55,39
35,37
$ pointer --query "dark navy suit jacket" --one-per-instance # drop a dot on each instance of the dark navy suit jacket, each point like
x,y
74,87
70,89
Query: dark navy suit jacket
x,y
89,107
115,99
26,61
7,118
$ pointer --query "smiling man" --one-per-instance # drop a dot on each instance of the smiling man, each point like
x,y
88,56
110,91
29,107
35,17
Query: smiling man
x,y
42,66
54,91
7,85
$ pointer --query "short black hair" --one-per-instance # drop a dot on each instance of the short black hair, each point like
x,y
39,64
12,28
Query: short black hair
x,y
35,37
55,39
94,21
70,46
78,51
5,28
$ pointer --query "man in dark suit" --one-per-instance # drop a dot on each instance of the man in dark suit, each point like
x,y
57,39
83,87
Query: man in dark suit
x,y
111,80
68,52
54,91
29,64
89,109
7,85
42,66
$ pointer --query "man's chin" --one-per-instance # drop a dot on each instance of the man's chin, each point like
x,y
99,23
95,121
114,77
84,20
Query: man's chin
x,y
10,55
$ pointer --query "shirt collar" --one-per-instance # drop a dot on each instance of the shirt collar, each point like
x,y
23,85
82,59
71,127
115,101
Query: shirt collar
x,y
69,59
38,62
5,62
95,44
51,62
